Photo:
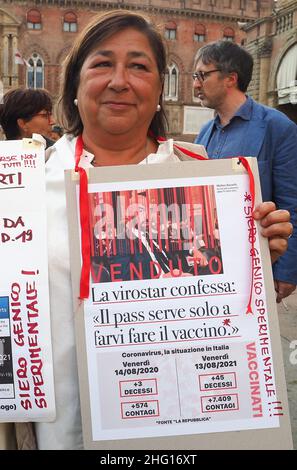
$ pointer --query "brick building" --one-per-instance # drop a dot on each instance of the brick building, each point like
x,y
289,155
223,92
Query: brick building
x,y
272,40
43,31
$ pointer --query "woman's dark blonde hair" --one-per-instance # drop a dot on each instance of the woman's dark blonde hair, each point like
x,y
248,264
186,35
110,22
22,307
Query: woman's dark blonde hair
x,y
102,27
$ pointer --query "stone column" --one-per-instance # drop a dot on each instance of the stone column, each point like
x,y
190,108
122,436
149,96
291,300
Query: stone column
x,y
5,48
264,51
14,68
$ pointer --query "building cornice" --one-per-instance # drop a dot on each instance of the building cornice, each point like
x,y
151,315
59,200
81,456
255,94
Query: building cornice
x,y
255,23
279,11
184,12
9,19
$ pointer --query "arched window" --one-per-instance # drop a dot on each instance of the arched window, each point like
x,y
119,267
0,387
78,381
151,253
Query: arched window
x,y
286,78
171,83
228,34
70,22
33,19
35,72
170,30
199,33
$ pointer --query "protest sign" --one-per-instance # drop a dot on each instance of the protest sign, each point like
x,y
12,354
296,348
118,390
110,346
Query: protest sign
x,y
26,375
178,343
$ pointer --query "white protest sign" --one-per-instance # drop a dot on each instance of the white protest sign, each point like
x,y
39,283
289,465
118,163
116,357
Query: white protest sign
x,y
26,375
175,357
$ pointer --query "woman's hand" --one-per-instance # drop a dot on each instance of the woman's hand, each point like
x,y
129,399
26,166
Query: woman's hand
x,y
276,227
283,289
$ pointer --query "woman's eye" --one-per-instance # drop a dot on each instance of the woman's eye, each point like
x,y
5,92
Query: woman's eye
x,y
102,64
139,66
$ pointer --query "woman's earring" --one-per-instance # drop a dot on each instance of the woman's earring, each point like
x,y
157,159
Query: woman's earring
x,y
158,108
75,101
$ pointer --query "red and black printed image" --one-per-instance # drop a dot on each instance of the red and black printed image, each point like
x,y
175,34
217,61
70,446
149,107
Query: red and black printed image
x,y
152,233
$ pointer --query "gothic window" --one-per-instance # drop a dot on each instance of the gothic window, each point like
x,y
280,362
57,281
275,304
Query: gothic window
x,y
171,83
228,34
70,22
35,72
170,30
199,33
34,19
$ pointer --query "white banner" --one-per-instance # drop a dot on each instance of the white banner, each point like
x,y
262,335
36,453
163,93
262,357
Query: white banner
x,y
171,342
26,375
183,355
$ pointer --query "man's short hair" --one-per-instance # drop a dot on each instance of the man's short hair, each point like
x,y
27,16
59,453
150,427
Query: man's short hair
x,y
228,57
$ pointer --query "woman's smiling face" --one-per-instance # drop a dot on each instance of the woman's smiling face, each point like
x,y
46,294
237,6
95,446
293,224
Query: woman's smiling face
x,y
120,85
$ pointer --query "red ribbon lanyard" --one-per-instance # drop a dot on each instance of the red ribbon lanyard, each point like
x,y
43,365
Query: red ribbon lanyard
x,y
184,150
84,222
246,165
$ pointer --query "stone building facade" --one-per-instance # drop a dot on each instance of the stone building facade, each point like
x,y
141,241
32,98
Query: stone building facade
x,y
42,31
272,40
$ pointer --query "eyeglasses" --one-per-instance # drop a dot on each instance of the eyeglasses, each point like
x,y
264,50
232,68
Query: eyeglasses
x,y
46,115
201,75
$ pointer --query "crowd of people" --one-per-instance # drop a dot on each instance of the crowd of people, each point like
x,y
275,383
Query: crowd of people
x,y
112,113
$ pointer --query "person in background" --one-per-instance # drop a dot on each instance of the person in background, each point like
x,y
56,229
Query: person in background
x,y
25,111
56,132
243,127
112,109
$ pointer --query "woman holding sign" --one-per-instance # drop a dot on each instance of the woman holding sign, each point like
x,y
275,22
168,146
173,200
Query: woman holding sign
x,y
112,105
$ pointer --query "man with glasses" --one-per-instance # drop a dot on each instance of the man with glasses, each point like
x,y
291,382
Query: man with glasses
x,y
243,127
